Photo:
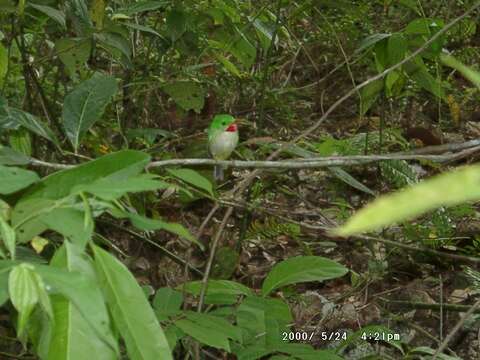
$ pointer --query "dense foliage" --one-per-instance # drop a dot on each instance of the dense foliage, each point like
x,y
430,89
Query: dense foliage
x,y
110,246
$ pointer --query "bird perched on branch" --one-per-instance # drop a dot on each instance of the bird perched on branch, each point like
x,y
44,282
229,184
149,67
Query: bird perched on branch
x,y
222,140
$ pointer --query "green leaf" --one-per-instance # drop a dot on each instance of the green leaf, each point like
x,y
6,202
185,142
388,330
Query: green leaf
x,y
8,237
3,63
228,65
111,189
86,104
369,95
423,26
188,94
142,28
167,302
143,6
447,189
115,166
262,320
469,73
176,23
9,156
144,223
210,330
72,335
396,48
71,224
18,117
350,180
84,292
192,177
371,40
133,316
22,287
113,40
301,269
74,54
216,287
13,179
51,12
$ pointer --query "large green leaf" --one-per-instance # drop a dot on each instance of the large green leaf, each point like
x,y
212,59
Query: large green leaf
x,y
115,166
133,316
447,189
167,302
13,179
85,105
188,94
85,294
72,336
110,189
301,269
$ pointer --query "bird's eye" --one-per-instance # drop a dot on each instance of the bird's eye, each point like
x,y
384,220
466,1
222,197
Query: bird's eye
x,y
224,123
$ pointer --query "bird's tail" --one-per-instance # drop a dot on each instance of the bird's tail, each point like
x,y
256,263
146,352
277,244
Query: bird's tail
x,y
218,173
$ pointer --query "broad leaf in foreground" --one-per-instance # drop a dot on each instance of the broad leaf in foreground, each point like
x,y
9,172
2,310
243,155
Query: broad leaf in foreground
x,y
133,315
72,336
448,189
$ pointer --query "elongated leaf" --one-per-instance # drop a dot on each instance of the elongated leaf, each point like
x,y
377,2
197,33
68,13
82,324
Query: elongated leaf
x,y
469,73
72,336
12,116
192,177
3,63
216,287
23,292
142,28
350,180
135,319
447,189
115,166
110,189
51,12
85,105
13,179
301,269
144,223
8,236
371,40
85,294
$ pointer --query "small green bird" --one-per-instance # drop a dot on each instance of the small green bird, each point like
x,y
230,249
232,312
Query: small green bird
x,y
222,140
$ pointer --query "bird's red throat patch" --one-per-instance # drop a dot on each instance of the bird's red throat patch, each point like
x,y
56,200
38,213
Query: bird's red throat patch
x,y
232,128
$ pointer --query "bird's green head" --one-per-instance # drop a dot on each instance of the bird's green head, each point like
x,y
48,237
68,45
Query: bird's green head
x,y
222,122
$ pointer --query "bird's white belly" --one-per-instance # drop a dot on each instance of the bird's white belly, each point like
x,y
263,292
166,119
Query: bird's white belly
x,y
223,145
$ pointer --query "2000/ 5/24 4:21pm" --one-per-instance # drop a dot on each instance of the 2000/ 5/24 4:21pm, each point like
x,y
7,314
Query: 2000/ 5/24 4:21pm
x,y
306,336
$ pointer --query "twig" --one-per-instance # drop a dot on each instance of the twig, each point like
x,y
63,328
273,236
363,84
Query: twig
x,y
305,163
211,257
473,309
428,306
